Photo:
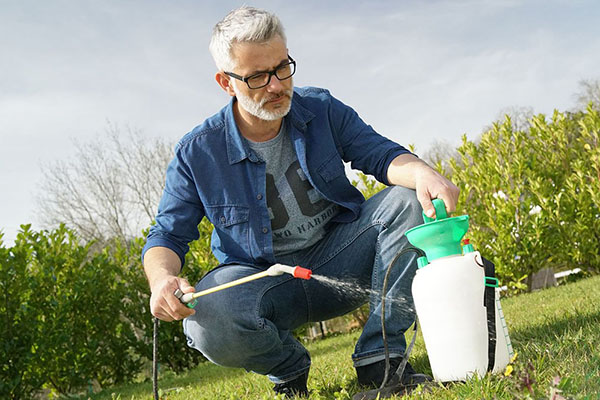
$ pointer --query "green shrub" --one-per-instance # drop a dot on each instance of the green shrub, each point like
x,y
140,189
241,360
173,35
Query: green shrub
x,y
20,374
173,351
63,326
533,195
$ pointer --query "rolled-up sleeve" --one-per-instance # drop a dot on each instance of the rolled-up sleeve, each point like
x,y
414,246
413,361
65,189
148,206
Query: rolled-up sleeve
x,y
179,211
362,146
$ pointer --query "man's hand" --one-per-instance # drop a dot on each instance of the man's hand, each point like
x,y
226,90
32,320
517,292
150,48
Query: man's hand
x,y
163,303
409,171
429,184
162,265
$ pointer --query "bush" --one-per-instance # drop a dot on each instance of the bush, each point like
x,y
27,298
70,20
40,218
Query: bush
x,y
533,195
172,344
62,323
19,326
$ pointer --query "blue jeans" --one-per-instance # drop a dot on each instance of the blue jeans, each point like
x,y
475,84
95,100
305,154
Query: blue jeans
x,y
250,326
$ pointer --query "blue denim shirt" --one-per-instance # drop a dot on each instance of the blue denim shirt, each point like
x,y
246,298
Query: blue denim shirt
x,y
215,174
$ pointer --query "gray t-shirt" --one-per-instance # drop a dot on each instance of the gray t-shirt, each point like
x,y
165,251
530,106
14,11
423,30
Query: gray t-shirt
x,y
298,212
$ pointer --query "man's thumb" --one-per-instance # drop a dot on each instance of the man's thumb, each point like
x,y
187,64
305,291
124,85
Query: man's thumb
x,y
186,287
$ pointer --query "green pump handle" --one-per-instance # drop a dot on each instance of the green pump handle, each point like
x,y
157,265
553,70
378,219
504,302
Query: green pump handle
x,y
440,211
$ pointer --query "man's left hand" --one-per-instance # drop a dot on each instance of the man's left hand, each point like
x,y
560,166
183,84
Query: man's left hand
x,y
429,184
412,172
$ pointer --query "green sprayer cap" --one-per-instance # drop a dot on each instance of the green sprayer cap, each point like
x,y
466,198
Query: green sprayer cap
x,y
439,237
467,247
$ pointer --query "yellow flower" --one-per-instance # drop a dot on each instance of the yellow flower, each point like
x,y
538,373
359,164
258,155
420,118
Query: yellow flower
x,y
509,370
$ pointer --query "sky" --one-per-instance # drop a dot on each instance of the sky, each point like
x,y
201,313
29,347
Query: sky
x,y
417,71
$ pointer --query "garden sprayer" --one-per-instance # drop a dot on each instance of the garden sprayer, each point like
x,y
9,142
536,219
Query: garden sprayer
x,y
456,298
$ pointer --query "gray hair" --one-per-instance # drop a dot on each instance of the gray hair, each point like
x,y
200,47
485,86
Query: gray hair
x,y
244,24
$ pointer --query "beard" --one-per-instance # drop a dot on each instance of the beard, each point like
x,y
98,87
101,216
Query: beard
x,y
257,109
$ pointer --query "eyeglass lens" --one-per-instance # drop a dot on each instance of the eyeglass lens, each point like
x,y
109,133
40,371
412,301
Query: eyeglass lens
x,y
282,72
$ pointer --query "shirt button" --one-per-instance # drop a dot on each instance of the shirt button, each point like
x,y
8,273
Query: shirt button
x,y
265,230
259,196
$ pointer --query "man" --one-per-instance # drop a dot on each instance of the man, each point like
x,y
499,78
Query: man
x,y
268,172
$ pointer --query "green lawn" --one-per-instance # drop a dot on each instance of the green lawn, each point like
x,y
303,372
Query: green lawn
x,y
555,332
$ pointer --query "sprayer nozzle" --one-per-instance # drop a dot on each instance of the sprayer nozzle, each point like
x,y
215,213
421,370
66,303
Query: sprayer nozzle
x,y
302,273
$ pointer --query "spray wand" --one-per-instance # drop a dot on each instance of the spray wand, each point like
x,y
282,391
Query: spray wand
x,y
274,270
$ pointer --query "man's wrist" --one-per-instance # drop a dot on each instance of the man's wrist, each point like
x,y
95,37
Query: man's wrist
x,y
406,169
160,263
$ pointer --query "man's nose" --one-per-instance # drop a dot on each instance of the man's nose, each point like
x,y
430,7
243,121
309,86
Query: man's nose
x,y
275,85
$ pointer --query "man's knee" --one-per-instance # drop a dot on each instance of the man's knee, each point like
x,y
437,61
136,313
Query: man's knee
x,y
402,207
229,340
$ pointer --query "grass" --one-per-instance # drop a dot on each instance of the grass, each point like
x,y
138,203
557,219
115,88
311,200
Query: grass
x,y
555,332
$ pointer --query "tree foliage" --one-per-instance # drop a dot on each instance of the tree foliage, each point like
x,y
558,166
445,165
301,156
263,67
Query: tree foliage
x,y
589,93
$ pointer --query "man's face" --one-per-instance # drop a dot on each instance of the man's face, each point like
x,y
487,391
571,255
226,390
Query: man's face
x,y
273,101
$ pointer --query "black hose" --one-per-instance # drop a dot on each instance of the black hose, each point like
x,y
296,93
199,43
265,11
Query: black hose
x,y
155,359
386,374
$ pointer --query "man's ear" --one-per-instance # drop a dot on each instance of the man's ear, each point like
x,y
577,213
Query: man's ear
x,y
225,83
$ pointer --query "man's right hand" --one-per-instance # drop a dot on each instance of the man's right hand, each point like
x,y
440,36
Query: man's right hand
x,y
162,265
163,303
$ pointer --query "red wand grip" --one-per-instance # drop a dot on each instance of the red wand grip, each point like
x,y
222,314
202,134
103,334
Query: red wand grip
x,y
302,273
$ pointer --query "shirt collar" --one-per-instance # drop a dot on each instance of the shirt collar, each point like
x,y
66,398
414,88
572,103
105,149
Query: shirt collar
x,y
238,149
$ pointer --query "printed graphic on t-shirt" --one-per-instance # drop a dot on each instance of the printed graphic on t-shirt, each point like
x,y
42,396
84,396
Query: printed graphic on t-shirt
x,y
306,198
298,212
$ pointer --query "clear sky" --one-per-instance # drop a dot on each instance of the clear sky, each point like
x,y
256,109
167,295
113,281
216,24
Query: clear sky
x,y
415,70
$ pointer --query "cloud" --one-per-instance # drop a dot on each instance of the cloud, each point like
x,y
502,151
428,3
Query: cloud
x,y
414,70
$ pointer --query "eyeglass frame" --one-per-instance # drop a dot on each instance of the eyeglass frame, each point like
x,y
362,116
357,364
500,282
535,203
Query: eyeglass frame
x,y
271,73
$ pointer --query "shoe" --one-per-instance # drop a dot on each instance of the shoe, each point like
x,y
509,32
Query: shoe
x,y
372,374
294,388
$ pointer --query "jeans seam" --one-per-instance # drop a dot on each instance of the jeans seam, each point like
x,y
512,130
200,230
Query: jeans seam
x,y
377,352
308,302
375,276
260,297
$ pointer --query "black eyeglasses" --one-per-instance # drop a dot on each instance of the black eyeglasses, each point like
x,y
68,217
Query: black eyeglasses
x,y
262,79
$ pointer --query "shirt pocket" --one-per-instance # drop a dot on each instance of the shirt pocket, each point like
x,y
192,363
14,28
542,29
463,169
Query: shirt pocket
x,y
232,227
331,169
225,216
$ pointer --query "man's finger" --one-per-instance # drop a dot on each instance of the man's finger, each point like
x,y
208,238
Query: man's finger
x,y
163,316
450,198
425,200
176,308
185,286
161,313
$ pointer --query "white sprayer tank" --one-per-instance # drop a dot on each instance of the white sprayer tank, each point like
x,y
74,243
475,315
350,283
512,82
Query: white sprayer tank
x,y
449,299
